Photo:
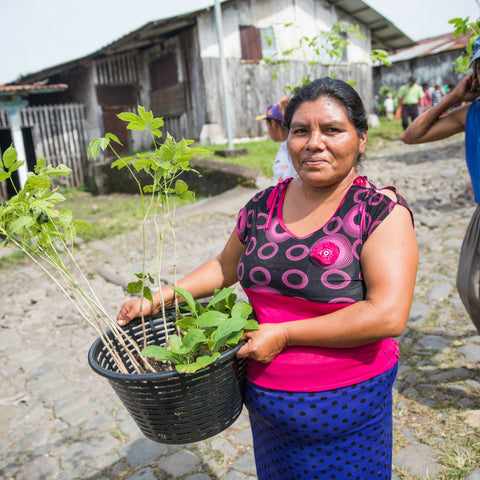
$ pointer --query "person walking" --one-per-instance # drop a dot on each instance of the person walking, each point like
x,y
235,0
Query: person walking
x,y
389,105
282,165
328,261
442,121
410,99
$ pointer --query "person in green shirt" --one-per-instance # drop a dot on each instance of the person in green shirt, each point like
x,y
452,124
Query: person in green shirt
x,y
410,97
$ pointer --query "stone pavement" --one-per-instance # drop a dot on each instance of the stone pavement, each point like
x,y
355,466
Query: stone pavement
x,y
59,420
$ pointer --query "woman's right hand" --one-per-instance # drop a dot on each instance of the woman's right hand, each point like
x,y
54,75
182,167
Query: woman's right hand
x,y
131,309
467,89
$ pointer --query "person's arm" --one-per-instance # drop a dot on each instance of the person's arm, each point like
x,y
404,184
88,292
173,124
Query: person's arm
x,y
400,96
389,261
218,272
432,126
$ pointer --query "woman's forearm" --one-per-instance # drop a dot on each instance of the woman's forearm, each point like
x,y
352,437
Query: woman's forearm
x,y
431,126
358,324
218,272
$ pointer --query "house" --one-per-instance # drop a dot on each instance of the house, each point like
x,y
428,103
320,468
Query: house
x,y
172,67
430,61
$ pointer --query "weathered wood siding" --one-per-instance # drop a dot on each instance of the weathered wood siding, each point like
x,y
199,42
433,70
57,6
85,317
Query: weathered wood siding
x,y
430,69
251,89
58,135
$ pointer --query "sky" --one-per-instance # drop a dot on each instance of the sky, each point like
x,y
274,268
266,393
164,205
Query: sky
x,y
39,34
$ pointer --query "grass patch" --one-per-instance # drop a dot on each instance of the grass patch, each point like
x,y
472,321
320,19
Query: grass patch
x,y
260,155
388,131
12,259
109,215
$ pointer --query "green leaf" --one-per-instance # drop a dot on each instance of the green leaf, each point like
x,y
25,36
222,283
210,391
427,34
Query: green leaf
x,y
187,195
192,338
9,157
41,163
157,122
82,226
168,149
180,187
187,296
15,166
242,310
147,293
94,148
201,362
224,331
147,117
220,295
18,225
175,343
58,171
158,352
113,137
56,197
122,162
36,182
186,322
134,287
129,117
137,126
251,325
210,318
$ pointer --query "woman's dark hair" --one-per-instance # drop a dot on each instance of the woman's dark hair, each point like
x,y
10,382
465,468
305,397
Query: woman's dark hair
x,y
337,90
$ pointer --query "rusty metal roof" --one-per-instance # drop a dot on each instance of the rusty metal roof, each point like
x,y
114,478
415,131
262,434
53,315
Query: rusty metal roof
x,y
34,88
384,33
431,46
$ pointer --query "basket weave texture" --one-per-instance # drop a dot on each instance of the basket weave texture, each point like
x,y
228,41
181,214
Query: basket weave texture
x,y
169,407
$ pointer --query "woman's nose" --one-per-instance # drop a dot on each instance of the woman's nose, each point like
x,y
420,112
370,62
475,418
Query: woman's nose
x,y
316,141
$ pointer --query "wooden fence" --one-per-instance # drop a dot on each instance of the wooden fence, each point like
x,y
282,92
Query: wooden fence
x,y
59,136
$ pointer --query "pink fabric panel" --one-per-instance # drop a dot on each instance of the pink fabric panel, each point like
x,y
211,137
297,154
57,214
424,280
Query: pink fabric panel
x,y
308,369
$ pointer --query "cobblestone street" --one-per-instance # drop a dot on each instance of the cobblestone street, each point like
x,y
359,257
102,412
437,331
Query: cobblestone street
x,y
60,421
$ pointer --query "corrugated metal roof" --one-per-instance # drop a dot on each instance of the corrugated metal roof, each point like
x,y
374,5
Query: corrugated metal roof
x,y
430,46
34,88
385,34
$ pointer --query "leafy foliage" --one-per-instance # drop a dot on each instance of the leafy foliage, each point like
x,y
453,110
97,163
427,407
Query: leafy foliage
x,y
463,26
31,217
32,222
328,44
163,166
201,335
206,331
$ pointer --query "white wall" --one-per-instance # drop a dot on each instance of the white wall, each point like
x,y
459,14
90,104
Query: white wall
x,y
308,18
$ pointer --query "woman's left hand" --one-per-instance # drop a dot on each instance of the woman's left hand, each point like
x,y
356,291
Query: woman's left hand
x,y
265,343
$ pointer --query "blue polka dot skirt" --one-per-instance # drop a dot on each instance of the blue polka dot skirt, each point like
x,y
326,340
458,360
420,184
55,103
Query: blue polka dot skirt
x,y
338,434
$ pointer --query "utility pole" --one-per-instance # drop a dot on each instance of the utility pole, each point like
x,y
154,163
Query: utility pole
x,y
230,152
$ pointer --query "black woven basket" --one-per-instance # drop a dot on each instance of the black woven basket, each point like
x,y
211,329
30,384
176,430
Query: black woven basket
x,y
169,407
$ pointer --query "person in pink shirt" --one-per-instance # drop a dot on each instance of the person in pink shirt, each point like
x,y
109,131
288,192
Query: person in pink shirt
x,y
328,261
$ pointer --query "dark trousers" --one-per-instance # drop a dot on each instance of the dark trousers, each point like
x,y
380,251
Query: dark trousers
x,y
411,111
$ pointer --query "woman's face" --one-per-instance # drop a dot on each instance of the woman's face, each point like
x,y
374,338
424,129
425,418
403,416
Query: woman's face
x,y
323,143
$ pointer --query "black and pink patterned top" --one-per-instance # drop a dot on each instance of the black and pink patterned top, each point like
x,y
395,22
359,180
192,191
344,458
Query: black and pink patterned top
x,y
288,277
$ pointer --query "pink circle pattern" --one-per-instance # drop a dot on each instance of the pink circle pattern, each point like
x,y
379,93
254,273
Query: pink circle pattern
x,y
322,267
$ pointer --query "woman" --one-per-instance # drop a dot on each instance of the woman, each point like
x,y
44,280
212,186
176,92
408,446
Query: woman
x,y
444,120
328,263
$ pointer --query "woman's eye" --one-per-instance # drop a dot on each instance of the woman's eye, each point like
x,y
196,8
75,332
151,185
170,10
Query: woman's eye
x,y
299,131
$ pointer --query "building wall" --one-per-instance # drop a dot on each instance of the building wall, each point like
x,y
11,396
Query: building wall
x,y
250,87
431,69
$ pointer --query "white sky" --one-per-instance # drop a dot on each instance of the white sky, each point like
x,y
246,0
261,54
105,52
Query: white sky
x,y
36,34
